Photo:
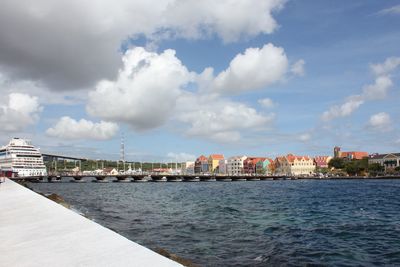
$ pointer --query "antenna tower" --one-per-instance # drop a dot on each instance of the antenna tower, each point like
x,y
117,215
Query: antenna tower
x,y
122,150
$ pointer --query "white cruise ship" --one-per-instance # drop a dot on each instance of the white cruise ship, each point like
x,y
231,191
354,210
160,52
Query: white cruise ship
x,y
21,157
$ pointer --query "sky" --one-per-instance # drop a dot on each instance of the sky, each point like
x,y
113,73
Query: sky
x,y
180,78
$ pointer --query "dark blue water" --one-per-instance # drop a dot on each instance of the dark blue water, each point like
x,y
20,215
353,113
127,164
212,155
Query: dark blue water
x,y
278,223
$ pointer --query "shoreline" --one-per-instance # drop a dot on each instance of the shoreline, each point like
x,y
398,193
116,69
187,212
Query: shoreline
x,y
61,201
38,232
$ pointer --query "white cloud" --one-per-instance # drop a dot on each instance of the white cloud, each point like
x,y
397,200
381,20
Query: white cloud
x,y
230,20
376,91
21,111
391,10
298,67
145,91
181,157
47,40
45,95
144,102
68,128
254,69
386,67
266,102
305,137
343,110
218,119
381,122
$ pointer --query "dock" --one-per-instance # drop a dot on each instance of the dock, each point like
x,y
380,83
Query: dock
x,y
35,231
151,178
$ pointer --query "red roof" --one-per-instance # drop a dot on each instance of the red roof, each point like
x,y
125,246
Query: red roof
x,y
321,158
354,154
201,158
291,157
217,156
254,160
280,158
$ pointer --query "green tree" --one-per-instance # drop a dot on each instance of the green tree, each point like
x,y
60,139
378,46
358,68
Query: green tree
x,y
362,164
397,169
337,163
375,168
352,168
322,170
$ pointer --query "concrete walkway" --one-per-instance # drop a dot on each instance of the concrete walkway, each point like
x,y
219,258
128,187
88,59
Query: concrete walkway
x,y
35,231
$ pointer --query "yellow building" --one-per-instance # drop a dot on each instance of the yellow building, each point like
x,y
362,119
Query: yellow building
x,y
294,165
213,162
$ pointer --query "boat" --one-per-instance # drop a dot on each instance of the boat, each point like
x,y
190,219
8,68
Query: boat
x,y
225,179
19,156
141,180
163,179
175,179
193,179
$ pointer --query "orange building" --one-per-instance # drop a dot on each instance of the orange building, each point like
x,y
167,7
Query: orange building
x,y
350,154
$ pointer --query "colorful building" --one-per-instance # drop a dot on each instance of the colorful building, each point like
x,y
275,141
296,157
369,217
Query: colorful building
x,y
282,166
322,161
201,165
213,162
250,164
234,165
266,166
294,165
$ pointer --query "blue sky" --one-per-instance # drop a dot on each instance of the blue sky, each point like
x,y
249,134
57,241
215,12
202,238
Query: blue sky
x,y
77,97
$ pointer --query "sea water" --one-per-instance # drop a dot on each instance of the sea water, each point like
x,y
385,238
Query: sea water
x,y
264,223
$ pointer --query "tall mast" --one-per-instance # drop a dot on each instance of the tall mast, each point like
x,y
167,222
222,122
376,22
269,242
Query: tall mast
x,y
122,150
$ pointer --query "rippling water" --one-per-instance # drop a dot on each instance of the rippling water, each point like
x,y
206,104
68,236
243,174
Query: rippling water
x,y
279,223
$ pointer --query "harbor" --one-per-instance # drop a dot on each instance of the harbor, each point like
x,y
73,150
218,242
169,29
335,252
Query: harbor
x,y
21,160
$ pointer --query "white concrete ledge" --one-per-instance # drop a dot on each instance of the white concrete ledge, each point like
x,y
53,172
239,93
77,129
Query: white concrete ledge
x,y
35,231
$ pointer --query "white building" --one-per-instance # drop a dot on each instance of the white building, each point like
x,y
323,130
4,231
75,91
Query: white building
x,y
234,165
389,161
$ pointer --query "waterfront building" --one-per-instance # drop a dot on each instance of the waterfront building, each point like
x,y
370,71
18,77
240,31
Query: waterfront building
x,y
322,161
388,161
201,165
282,166
234,165
266,166
213,162
294,165
187,167
349,155
250,164
20,157
222,166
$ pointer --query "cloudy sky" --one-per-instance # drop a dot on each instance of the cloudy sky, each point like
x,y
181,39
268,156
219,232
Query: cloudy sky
x,y
180,78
